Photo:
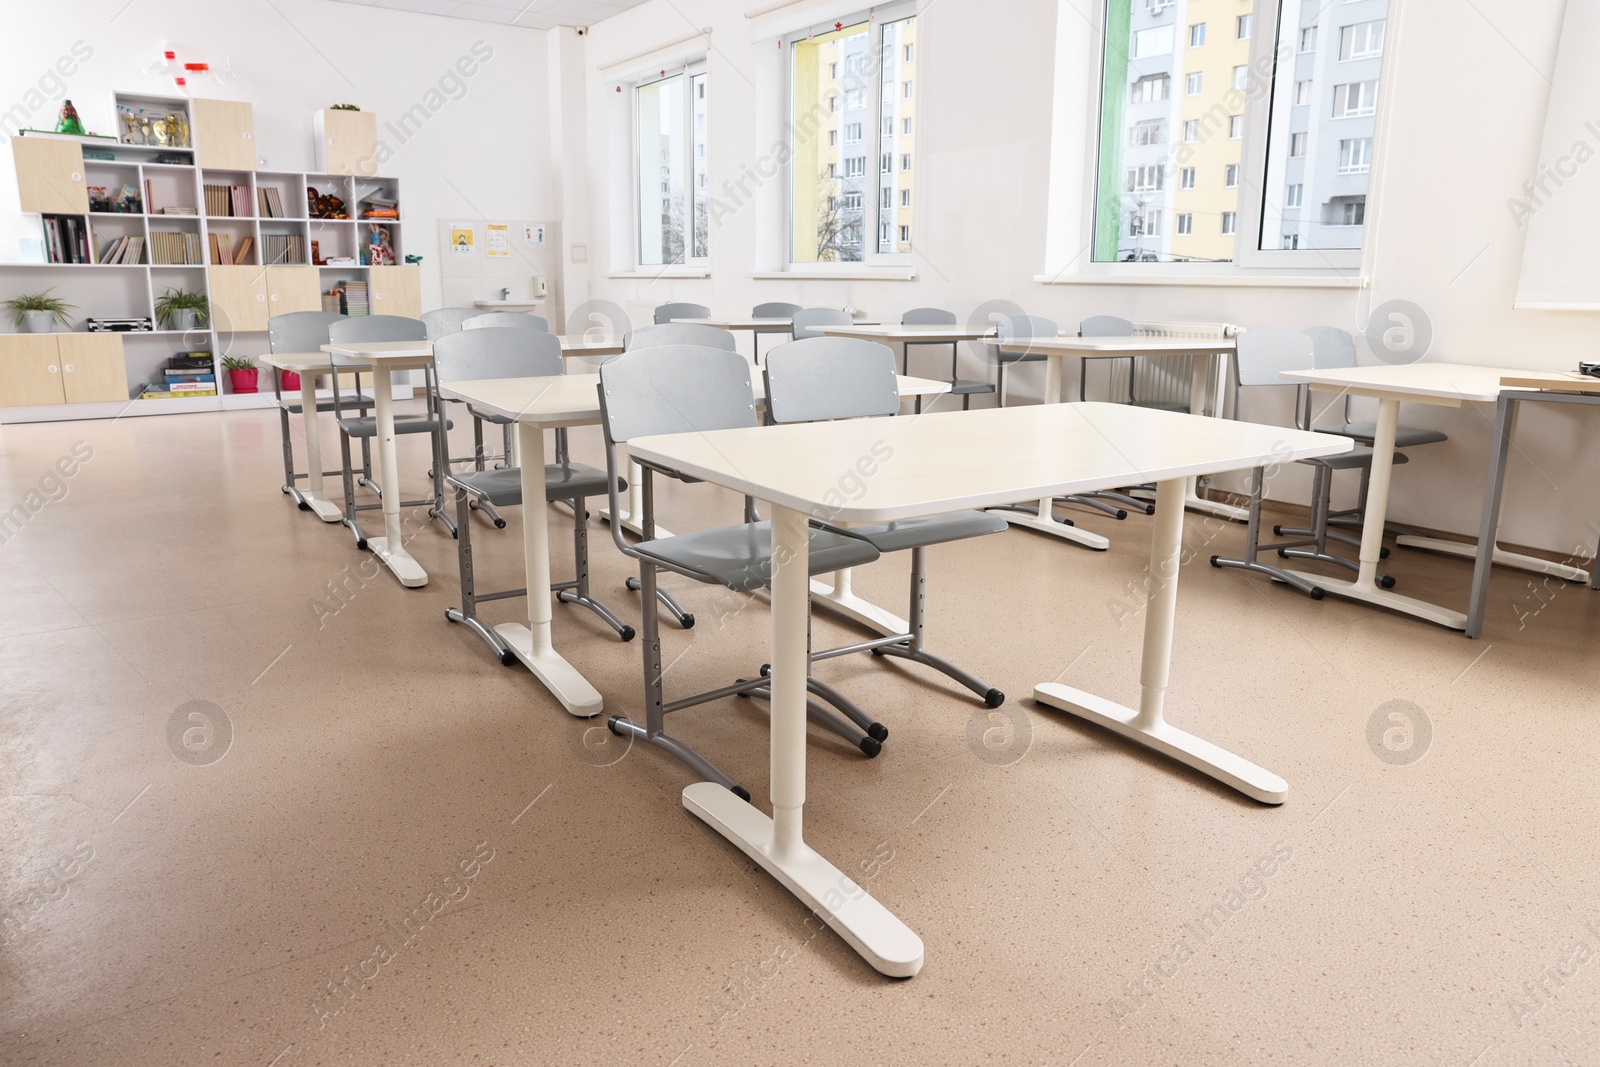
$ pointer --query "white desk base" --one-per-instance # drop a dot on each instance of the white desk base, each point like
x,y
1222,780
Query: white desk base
x,y
1046,523
1504,558
839,599
390,548
560,677
1146,725
313,494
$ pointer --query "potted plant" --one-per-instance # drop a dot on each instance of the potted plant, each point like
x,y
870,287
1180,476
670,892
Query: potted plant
x,y
179,309
291,380
39,312
241,373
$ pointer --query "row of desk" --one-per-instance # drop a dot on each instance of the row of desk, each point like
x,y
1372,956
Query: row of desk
x,y
943,462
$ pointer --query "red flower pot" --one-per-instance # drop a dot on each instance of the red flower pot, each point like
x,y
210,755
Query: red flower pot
x,y
291,380
243,381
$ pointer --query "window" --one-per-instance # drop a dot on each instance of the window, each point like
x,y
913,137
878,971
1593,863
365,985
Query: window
x,y
1192,84
905,198
1197,35
1148,132
1144,224
670,208
1241,77
1291,240
1294,196
1230,176
1349,212
1364,40
1235,127
1145,179
905,234
1191,131
1185,223
1149,89
1156,41
833,72
1230,221
1302,92
1355,100
1242,28
1297,146
1186,178
833,138
1355,155
1308,39
872,91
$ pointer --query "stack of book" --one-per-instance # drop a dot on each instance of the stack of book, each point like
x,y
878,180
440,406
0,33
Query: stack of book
x,y
123,250
224,201
355,299
66,239
269,202
172,246
183,380
221,248
376,207
179,211
283,248
333,302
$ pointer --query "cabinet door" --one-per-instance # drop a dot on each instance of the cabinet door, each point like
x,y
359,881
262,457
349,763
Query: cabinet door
x,y
396,290
50,175
224,134
92,368
238,298
293,289
30,370
348,142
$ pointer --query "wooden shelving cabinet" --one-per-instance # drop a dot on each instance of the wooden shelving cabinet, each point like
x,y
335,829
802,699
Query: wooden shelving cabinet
x,y
108,369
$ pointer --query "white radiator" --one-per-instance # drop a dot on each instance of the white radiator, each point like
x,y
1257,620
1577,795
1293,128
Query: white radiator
x,y
1164,381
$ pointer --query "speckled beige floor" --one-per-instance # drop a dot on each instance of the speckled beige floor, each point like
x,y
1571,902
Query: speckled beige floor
x,y
1427,895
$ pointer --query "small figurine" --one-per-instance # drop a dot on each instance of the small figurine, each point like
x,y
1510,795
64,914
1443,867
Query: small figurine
x,y
380,253
413,259
178,130
159,132
130,123
144,130
69,119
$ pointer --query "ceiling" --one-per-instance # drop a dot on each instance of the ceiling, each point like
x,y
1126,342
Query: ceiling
x,y
530,14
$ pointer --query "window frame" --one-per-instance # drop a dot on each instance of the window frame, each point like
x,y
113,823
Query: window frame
x,y
874,215
688,70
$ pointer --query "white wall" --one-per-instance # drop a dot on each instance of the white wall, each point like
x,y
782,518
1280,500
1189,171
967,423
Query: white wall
x,y
483,152
1466,103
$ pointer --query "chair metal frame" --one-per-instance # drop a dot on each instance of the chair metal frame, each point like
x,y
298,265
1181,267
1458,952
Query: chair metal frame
x,y
286,407
772,309
965,388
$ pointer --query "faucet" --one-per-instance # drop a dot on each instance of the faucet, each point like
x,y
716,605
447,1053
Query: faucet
x,y
505,294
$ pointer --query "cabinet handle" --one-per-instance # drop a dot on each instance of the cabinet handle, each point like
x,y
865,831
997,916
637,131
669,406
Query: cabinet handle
x,y
274,298
77,176
261,296
71,369
53,369
377,296
248,136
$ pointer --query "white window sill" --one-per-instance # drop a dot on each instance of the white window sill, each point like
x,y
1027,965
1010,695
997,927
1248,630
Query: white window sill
x,y
1241,281
673,272
882,274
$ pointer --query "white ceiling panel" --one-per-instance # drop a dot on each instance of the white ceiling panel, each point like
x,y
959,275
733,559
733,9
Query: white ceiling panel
x,y
529,14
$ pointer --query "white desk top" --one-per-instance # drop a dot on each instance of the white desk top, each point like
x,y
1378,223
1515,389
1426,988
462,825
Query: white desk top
x,y
914,333
742,322
1116,346
1448,384
596,345
382,351
571,400
948,461
297,361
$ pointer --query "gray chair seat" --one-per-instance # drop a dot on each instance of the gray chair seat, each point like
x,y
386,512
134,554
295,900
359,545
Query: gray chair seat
x,y
1356,457
740,557
967,387
503,487
368,426
1404,436
917,533
294,407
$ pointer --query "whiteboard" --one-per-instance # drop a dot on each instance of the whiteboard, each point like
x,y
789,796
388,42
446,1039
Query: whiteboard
x,y
1560,268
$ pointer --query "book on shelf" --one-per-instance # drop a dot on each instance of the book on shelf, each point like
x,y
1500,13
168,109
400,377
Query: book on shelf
x,y
356,299
221,248
283,248
67,239
178,377
162,392
269,203
149,198
242,256
178,211
174,247
190,387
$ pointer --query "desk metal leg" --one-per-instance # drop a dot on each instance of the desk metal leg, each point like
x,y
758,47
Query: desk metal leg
x,y
635,505
777,843
1504,426
532,643
313,494
1146,726
390,548
1365,587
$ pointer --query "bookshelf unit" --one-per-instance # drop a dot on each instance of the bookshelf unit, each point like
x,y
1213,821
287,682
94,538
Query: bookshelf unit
x,y
276,274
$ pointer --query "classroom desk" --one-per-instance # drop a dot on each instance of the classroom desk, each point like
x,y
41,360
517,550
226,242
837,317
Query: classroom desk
x,y
308,365
539,404
381,357
946,462
1548,388
774,324
1204,399
1441,384
605,344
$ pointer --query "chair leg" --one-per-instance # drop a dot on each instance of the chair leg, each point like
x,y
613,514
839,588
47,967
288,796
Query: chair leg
x,y
681,617
1000,385
477,443
349,476
468,612
505,447
288,460
913,648
1321,507
1252,546
440,439
579,594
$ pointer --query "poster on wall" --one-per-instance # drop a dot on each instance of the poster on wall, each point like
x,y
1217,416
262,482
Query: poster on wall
x,y
533,234
461,241
497,242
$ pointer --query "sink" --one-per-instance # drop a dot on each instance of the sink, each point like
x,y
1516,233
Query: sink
x,y
509,305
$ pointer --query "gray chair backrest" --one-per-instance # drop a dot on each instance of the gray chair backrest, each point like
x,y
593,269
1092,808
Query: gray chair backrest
x,y
513,319
669,312
377,328
1105,326
679,333
472,355
675,389
1018,327
442,321
806,318
1333,348
928,317
775,309
1261,355
831,378
300,331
